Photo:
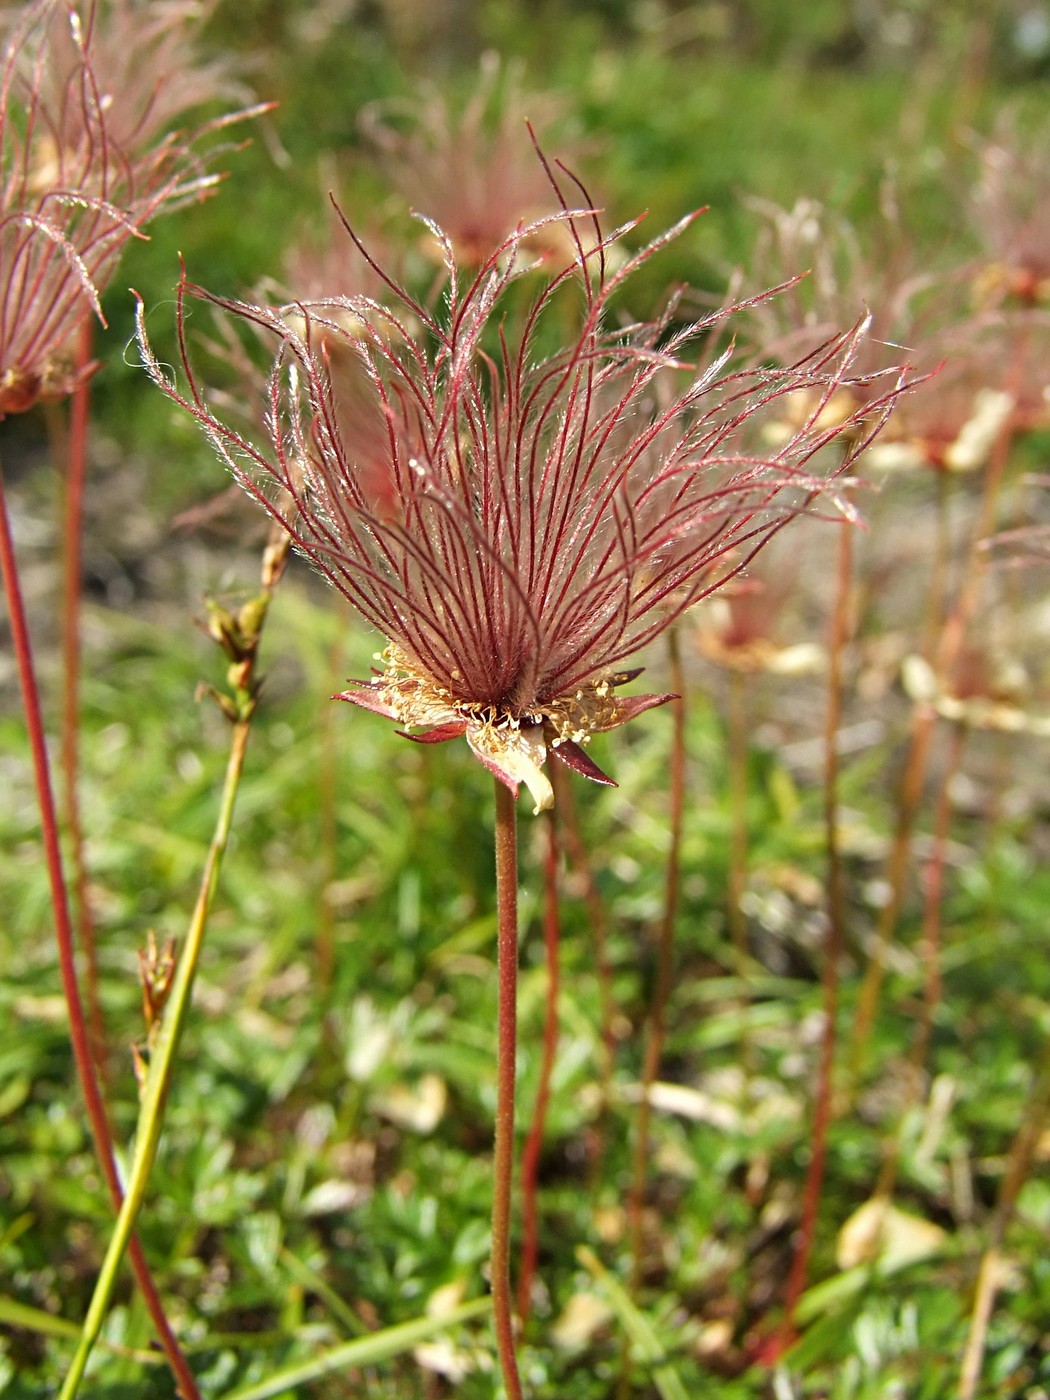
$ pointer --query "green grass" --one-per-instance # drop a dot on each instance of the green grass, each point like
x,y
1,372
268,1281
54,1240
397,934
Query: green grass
x,y
295,1203
325,1170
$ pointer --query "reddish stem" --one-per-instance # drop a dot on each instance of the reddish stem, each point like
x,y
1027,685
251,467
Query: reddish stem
x,y
72,558
923,717
506,1057
664,967
567,815
833,945
738,841
78,1030
896,874
933,894
530,1163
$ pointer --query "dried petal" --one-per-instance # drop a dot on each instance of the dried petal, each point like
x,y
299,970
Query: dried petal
x,y
515,756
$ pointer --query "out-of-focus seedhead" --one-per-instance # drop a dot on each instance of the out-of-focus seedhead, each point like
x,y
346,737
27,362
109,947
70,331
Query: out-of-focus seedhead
x,y
87,158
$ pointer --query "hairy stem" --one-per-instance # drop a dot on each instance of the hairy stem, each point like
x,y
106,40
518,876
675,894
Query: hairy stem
x,y
239,636
530,1162
506,1058
78,1029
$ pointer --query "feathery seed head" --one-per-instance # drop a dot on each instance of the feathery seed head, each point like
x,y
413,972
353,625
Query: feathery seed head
x,y
519,517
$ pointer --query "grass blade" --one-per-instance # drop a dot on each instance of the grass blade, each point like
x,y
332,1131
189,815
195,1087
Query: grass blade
x,y
362,1351
645,1344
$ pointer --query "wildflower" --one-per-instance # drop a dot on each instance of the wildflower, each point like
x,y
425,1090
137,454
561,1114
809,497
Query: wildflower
x,y
953,431
519,523
60,235
841,272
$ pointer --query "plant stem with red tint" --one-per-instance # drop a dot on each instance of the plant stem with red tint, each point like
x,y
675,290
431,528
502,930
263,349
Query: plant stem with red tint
x,y
239,635
933,894
931,938
923,719
664,966
922,725
530,1161
78,1030
506,1064
834,940
568,818
72,562
738,819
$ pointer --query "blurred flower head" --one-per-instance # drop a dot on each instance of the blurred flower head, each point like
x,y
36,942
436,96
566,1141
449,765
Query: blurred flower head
x,y
737,629
472,169
520,514
985,370
828,272
1010,204
85,162
984,691
148,76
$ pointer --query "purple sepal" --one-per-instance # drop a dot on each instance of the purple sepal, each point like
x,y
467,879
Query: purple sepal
x,y
576,758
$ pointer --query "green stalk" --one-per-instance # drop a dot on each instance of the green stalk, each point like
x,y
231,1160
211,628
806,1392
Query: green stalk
x,y
80,1038
239,635
161,1068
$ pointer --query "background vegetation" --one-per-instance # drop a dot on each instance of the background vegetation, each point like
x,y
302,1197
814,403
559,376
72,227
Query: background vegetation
x,y
326,1164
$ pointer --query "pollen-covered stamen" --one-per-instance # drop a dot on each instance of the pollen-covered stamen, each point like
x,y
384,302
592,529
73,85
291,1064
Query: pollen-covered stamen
x,y
412,697
416,700
512,742
590,708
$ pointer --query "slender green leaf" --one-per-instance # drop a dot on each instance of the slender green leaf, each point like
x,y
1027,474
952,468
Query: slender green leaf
x,y
363,1351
